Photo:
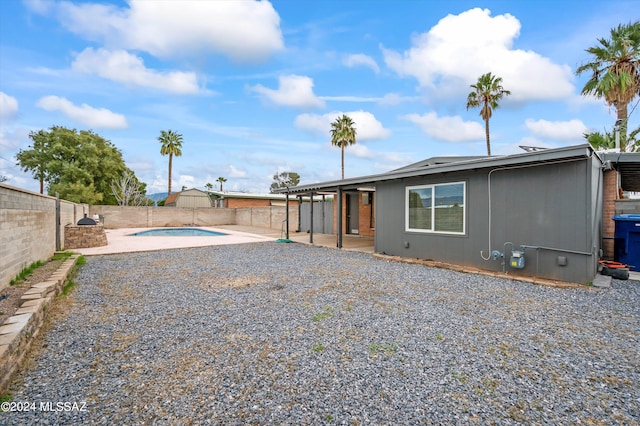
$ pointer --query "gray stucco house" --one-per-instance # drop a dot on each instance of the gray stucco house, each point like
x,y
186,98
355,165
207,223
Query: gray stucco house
x,y
538,213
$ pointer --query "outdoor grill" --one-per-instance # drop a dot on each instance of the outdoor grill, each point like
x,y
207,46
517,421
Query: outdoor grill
x,y
87,221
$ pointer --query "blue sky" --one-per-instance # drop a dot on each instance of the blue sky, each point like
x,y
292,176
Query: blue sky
x,y
253,86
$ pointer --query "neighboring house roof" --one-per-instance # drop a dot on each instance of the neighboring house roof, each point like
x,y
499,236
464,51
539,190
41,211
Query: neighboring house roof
x,y
225,194
231,194
437,165
437,160
171,198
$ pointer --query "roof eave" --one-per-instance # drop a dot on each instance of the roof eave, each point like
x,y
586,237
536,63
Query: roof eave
x,y
577,151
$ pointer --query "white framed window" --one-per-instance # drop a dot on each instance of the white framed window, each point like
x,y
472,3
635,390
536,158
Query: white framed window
x,y
436,208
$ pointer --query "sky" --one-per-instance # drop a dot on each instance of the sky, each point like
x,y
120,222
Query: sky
x,y
252,86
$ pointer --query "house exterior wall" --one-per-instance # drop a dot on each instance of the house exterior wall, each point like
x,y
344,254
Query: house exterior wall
x,y
193,198
234,203
554,206
366,215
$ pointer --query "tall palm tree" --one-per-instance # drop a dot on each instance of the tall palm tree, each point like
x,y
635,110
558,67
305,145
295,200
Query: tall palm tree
x,y
343,133
171,145
486,94
615,72
221,180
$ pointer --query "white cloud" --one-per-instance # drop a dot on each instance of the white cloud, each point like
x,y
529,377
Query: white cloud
x,y
8,106
39,6
361,60
454,59
361,151
350,99
449,129
234,172
565,130
366,124
128,69
85,114
293,91
245,31
392,99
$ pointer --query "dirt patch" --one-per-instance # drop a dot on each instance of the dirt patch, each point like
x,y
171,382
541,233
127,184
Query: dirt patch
x,y
10,296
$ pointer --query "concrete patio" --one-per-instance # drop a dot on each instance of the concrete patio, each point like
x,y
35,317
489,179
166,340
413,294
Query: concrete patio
x,y
121,241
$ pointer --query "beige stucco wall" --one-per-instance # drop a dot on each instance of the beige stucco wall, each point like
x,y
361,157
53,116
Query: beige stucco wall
x,y
144,217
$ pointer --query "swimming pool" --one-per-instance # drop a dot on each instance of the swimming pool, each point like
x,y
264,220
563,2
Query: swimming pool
x,y
177,232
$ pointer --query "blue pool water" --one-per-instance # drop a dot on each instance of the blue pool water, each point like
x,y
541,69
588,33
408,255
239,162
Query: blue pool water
x,y
178,232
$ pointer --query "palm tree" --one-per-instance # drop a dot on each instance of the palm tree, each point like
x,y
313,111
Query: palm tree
x,y
615,72
171,144
343,134
486,94
221,180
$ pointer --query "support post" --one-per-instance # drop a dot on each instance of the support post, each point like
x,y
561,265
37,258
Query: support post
x,y
286,203
58,242
339,218
324,231
311,222
299,213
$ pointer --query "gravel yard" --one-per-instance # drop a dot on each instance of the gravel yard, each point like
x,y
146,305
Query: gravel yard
x,y
270,333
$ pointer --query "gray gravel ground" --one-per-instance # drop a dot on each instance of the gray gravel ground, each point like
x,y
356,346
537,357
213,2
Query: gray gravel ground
x,y
272,333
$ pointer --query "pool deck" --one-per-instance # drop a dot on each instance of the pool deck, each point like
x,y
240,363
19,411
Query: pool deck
x,y
121,240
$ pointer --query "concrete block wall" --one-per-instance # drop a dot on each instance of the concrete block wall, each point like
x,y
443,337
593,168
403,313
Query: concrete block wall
x,y
628,206
28,228
146,217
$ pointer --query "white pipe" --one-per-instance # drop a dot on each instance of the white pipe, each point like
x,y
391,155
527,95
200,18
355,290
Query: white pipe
x,y
524,166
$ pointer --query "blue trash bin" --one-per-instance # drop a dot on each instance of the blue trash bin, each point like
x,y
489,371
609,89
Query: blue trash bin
x,y
626,243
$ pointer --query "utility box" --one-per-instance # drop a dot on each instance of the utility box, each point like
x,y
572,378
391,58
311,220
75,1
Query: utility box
x,y
626,243
517,259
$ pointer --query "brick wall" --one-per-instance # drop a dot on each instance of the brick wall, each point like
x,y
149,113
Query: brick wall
x,y
233,203
610,194
366,218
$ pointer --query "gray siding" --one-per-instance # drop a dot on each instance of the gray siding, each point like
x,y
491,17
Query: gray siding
x,y
554,206
322,217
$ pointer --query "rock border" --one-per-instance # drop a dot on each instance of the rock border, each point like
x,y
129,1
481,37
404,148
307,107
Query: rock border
x,y
19,331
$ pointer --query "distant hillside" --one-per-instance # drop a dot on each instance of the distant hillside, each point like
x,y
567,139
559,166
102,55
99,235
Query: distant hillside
x,y
158,196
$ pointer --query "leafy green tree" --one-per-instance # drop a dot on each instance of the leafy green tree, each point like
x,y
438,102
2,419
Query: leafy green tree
x,y
79,165
487,93
209,187
615,72
343,133
171,145
284,180
221,180
35,159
